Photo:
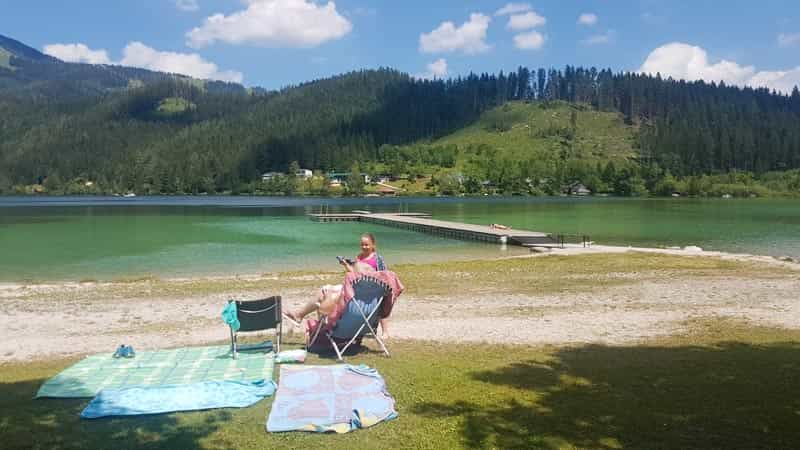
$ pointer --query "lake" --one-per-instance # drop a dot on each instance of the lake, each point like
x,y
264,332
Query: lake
x,y
108,238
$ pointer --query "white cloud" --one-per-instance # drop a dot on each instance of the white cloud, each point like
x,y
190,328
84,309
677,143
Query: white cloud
x,y
468,38
187,5
137,54
77,53
525,21
274,23
513,8
588,19
788,39
684,61
780,80
599,39
532,40
436,69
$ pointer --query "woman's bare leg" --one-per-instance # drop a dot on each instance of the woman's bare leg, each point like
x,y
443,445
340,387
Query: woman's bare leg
x,y
385,328
325,303
306,309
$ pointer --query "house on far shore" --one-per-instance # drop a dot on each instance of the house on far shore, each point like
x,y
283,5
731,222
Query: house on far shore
x,y
304,173
270,175
388,191
579,189
341,177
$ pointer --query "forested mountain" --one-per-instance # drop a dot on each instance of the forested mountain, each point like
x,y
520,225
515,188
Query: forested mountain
x,y
128,129
30,75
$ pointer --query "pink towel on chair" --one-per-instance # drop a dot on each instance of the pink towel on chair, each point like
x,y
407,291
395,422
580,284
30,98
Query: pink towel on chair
x,y
385,276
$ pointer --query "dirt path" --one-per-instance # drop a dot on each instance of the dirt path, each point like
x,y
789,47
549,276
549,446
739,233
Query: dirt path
x,y
43,321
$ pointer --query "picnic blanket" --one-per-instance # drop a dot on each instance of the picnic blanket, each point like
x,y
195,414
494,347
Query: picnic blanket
x,y
338,398
138,400
157,368
291,356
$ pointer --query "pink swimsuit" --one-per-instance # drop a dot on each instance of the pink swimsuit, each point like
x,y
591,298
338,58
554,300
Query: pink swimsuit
x,y
371,260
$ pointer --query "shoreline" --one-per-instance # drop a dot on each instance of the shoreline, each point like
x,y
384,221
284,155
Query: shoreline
x,y
593,295
691,251
569,250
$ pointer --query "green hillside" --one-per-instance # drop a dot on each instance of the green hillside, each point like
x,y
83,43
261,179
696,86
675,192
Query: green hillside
x,y
522,147
544,130
32,75
127,129
5,59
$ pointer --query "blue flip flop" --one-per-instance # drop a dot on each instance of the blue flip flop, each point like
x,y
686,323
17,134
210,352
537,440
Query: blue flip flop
x,y
121,350
128,352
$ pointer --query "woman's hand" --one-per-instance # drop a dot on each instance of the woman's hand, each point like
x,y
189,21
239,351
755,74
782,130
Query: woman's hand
x,y
347,266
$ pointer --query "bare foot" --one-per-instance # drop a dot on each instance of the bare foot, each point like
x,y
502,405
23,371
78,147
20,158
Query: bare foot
x,y
292,317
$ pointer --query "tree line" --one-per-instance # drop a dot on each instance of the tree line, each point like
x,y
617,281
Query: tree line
x,y
175,136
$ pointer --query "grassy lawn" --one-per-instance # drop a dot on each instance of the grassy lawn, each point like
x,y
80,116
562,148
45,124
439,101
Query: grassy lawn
x,y
723,386
600,136
540,276
174,105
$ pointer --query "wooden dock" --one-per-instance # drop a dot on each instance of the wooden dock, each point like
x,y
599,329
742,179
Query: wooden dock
x,y
422,222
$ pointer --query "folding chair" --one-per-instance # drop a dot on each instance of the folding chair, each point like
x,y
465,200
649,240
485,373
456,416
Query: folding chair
x,y
359,319
257,315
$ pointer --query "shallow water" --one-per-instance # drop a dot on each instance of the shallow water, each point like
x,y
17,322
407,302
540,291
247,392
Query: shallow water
x,y
80,238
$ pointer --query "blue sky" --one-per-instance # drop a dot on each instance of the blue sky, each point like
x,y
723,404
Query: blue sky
x,y
274,43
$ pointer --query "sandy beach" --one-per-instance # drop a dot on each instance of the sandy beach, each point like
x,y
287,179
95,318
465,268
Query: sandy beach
x,y
41,321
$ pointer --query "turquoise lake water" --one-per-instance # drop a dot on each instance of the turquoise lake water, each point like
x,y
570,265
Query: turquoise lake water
x,y
74,238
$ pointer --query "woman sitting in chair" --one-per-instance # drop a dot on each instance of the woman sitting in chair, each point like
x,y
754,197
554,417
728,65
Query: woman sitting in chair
x,y
325,302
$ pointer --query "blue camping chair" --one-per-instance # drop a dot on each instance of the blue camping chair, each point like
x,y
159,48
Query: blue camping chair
x,y
359,319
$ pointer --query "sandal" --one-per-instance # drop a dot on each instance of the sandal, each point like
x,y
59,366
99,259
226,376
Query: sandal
x,y
121,350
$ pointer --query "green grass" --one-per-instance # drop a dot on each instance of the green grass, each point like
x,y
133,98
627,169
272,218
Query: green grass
x,y
521,129
5,59
724,386
557,274
532,276
174,105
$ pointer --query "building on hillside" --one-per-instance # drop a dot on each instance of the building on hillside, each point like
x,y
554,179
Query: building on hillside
x,y
270,175
341,177
388,191
579,189
304,173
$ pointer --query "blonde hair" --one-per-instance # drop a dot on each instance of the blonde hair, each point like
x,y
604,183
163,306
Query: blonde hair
x,y
371,238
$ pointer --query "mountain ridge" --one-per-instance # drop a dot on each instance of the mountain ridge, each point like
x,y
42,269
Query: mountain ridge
x,y
31,73
128,129
22,51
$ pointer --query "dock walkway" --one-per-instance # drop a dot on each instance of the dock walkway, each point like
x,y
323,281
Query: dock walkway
x,y
422,222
